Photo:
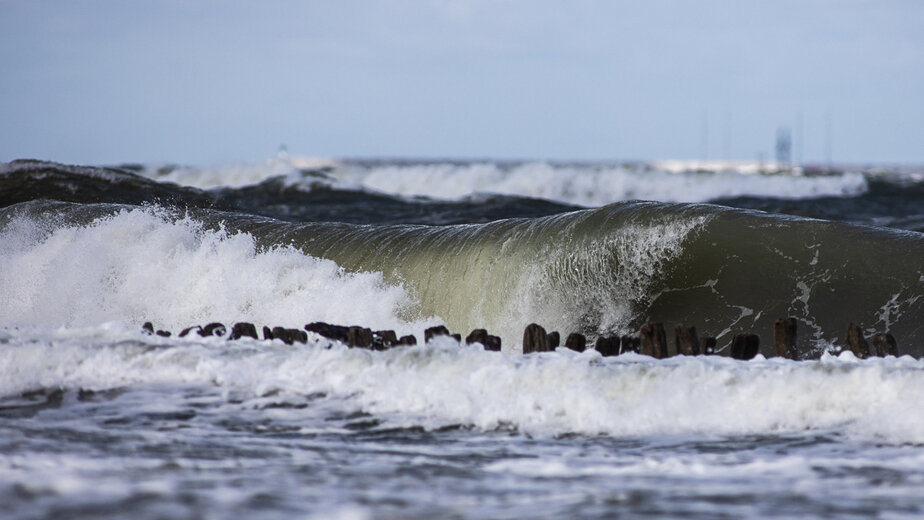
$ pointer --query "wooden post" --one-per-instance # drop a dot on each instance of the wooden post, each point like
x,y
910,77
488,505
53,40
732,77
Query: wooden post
x,y
630,343
289,336
576,342
784,338
856,342
707,345
654,340
213,329
243,329
552,340
745,346
686,341
492,343
608,346
358,337
337,332
432,332
535,339
477,336
885,345
384,339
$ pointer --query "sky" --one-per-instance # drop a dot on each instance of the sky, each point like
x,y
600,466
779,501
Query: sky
x,y
211,82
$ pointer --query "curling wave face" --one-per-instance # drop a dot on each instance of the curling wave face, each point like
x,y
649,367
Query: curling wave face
x,y
599,271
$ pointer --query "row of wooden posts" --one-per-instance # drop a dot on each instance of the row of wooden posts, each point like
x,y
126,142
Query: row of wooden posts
x,y
651,339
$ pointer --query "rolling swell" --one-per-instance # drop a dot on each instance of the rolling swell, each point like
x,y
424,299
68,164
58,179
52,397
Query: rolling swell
x,y
608,270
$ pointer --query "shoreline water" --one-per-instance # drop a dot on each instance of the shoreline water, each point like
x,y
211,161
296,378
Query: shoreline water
x,y
99,419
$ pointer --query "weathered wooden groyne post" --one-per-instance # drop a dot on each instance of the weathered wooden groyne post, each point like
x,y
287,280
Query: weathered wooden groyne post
x,y
553,339
745,346
885,344
707,345
576,342
855,341
535,339
243,330
630,343
654,340
607,345
477,336
686,341
432,332
784,338
491,343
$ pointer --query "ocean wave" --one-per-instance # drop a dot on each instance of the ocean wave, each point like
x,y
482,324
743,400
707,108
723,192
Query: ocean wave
x,y
135,265
442,384
598,272
593,185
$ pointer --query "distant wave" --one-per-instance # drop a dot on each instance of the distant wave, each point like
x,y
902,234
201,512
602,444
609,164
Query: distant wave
x,y
593,185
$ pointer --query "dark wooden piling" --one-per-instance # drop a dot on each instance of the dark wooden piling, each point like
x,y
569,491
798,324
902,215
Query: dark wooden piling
x,y
185,332
432,332
784,338
336,332
607,345
148,328
213,329
477,336
267,333
686,341
856,343
745,346
359,337
885,344
707,345
384,339
576,342
288,336
553,339
653,340
630,343
535,339
492,343
243,330
407,341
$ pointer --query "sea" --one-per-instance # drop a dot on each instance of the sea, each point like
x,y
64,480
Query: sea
x,y
99,418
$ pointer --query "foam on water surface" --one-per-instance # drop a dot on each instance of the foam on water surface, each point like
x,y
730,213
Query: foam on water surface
x,y
594,185
146,265
443,384
586,185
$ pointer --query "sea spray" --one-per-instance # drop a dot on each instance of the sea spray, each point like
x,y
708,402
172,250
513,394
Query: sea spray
x,y
147,264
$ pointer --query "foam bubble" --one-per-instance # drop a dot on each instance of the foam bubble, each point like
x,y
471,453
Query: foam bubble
x,y
143,265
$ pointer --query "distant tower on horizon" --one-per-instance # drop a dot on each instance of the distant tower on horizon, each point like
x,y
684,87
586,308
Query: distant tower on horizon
x,y
783,147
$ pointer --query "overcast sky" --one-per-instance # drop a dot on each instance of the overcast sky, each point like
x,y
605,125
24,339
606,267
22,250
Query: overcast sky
x,y
204,82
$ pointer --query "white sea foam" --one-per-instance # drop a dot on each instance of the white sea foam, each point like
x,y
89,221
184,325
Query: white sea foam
x,y
236,175
549,394
141,265
594,185
584,185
